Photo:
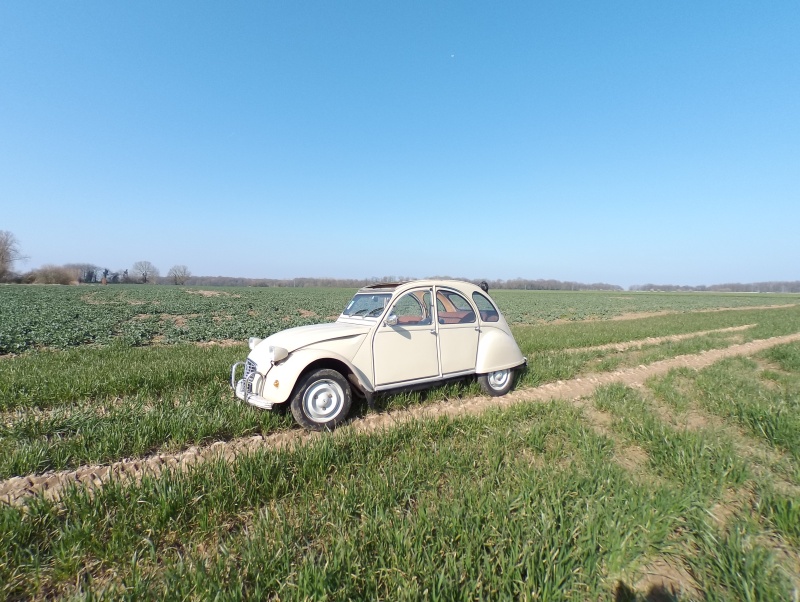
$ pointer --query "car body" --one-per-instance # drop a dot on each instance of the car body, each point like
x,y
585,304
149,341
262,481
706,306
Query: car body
x,y
390,336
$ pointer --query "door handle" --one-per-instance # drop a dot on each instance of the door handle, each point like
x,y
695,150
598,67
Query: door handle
x,y
433,331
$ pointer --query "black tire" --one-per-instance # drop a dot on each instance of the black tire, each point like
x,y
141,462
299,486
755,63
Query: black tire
x,y
497,383
322,400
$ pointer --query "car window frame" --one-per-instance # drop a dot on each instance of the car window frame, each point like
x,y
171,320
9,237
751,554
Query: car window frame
x,y
462,295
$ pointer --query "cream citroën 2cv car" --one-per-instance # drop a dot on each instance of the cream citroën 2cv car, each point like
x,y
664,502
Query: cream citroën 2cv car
x,y
390,336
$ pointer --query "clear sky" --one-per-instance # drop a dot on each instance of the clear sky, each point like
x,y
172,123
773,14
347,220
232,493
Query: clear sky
x,y
624,142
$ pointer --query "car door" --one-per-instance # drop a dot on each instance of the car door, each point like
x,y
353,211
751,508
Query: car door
x,y
404,346
458,332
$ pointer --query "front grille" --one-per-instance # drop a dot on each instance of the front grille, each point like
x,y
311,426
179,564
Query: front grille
x,y
249,368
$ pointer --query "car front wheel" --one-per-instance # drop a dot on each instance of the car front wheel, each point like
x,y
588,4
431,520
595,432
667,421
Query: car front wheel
x,y
322,400
497,383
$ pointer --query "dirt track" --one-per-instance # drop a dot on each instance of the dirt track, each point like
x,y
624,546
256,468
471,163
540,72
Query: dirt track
x,y
15,490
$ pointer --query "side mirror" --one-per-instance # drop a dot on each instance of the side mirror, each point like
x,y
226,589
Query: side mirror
x,y
391,320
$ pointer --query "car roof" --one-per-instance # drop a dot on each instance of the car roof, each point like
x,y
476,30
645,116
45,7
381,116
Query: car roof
x,y
392,286
383,285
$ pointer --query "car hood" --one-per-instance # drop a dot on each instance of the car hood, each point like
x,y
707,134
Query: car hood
x,y
292,339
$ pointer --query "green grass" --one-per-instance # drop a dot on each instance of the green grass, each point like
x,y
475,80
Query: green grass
x,y
476,507
105,404
731,564
63,378
782,511
768,409
704,460
525,503
129,428
554,337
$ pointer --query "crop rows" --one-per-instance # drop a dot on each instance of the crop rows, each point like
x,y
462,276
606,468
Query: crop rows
x,y
62,317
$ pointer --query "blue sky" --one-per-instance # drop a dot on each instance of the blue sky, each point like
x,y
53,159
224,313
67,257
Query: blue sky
x,y
624,142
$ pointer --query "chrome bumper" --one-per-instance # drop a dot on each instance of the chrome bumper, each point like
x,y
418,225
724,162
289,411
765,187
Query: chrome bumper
x,y
243,387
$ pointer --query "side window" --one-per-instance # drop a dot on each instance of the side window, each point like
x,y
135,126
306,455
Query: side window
x,y
486,308
413,309
452,308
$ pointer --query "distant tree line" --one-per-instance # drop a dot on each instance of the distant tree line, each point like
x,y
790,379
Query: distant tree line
x,y
735,287
145,272
292,282
549,285
142,272
517,283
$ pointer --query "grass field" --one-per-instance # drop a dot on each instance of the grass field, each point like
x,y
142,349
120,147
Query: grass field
x,y
684,485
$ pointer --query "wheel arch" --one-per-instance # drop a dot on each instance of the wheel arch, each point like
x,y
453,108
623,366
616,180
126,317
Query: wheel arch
x,y
497,350
332,363
319,360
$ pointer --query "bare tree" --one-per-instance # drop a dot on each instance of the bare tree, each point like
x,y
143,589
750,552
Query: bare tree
x,y
55,274
145,272
84,272
179,274
9,253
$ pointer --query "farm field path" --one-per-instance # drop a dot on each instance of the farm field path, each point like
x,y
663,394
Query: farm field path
x,y
672,338
16,489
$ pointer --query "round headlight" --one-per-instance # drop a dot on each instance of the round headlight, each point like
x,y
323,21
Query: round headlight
x,y
253,341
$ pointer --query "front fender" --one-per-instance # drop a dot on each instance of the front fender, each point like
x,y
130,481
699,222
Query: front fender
x,y
280,380
497,350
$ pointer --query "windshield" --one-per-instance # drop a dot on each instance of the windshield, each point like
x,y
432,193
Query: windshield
x,y
367,305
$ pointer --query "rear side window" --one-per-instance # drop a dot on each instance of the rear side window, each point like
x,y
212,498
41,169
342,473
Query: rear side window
x,y
486,308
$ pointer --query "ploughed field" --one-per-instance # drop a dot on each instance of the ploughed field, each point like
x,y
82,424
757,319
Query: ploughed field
x,y
652,446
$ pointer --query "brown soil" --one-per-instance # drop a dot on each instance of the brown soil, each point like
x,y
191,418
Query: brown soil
x,y
652,314
16,489
661,580
178,320
632,458
729,506
206,293
695,420
305,313
222,343
658,340
90,299
636,315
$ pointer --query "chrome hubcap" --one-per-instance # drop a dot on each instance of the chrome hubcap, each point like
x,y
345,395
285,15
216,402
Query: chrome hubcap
x,y
323,400
499,379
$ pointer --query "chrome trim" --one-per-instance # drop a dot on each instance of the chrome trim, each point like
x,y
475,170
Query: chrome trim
x,y
249,376
457,374
233,374
248,385
259,402
421,381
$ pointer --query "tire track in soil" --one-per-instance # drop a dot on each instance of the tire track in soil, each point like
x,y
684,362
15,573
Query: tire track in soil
x,y
15,490
672,338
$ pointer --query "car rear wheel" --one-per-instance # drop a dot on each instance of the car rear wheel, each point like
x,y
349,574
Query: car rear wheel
x,y
497,383
322,400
